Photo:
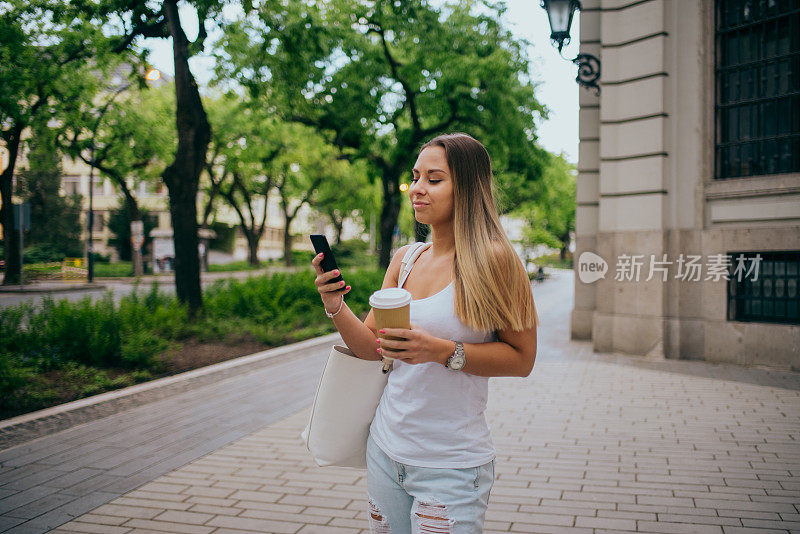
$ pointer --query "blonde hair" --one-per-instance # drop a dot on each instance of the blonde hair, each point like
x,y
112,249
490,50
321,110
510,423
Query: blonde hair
x,y
492,288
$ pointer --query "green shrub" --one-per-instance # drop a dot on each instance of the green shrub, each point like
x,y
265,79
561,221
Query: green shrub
x,y
88,342
12,378
42,253
139,350
83,331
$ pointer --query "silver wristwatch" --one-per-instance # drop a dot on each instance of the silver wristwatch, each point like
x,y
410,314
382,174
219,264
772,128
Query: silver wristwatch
x,y
458,359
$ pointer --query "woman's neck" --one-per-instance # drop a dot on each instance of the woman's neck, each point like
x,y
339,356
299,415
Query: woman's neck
x,y
444,241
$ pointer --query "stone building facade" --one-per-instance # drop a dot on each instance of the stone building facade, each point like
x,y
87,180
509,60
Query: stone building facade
x,y
691,149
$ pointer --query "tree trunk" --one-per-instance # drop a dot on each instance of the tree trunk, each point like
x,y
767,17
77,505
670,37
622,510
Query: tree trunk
x,y
215,186
10,236
287,242
252,246
182,176
565,245
134,214
388,219
337,227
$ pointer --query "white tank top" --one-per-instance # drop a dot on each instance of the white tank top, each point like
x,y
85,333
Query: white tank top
x,y
428,415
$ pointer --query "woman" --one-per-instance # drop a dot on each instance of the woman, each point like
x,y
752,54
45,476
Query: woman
x,y
430,457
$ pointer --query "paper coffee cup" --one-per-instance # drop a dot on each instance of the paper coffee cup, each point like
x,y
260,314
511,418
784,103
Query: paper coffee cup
x,y
391,308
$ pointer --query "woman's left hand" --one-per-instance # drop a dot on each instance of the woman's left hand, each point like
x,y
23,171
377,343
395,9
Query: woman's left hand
x,y
417,346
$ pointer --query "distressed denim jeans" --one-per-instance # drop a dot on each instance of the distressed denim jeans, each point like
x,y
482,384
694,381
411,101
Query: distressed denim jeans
x,y
406,499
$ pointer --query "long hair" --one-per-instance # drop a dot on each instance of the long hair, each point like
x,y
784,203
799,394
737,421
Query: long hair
x,y
492,289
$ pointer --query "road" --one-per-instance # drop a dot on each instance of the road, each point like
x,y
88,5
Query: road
x,y
121,286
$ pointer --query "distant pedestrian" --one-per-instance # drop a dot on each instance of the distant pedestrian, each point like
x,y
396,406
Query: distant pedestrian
x,y
430,456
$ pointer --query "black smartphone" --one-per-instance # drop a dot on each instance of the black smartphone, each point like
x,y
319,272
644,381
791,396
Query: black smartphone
x,y
321,245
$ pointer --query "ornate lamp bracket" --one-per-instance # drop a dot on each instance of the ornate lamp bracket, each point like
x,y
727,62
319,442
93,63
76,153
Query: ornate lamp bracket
x,y
560,13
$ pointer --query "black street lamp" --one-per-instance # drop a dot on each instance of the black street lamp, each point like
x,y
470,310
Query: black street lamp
x,y
560,13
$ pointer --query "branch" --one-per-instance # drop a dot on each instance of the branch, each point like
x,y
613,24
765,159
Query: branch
x,y
237,182
199,43
379,161
235,205
445,123
393,65
267,187
307,195
153,25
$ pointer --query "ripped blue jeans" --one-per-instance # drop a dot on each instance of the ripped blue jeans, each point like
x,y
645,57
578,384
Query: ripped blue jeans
x,y
407,499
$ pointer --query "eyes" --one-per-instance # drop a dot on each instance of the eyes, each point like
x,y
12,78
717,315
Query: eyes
x,y
432,181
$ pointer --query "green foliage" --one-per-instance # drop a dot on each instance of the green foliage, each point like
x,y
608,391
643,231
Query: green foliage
x,y
354,253
381,78
116,269
139,350
12,378
43,253
89,342
131,128
55,220
299,257
551,216
242,265
86,332
554,260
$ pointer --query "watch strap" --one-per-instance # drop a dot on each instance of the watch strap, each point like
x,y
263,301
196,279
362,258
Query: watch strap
x,y
458,352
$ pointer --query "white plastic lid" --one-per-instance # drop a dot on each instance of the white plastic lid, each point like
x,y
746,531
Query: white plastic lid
x,y
391,297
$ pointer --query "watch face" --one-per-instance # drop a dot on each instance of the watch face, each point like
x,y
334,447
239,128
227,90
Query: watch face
x,y
457,362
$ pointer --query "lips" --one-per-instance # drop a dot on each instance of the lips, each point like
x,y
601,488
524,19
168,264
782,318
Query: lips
x,y
419,204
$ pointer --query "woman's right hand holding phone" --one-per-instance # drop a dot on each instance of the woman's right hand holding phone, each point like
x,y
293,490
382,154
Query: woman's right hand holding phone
x,y
332,293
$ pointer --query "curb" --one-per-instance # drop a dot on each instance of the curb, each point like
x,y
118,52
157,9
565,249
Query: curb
x,y
51,289
30,426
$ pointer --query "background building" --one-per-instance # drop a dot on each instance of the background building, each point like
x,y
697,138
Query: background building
x,y
693,148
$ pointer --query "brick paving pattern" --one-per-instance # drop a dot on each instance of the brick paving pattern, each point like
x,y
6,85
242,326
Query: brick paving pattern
x,y
589,443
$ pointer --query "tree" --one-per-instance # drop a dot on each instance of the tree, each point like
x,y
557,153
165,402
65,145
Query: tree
x,y
55,219
45,53
307,163
133,138
345,195
245,144
383,77
551,216
119,223
162,20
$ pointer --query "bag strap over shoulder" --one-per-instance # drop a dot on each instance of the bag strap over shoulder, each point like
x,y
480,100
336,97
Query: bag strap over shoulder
x,y
411,256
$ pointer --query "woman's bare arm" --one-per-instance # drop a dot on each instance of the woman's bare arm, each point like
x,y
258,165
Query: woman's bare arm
x,y
512,355
359,337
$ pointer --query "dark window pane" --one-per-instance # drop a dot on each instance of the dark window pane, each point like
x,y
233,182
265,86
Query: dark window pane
x,y
757,87
773,296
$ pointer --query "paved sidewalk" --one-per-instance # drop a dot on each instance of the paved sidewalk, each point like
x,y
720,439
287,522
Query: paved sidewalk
x,y
587,443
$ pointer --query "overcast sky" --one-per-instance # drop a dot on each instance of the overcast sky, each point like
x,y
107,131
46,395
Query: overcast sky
x,y
558,90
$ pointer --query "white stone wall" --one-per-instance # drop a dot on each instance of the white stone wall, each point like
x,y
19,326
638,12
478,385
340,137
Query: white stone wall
x,y
646,186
